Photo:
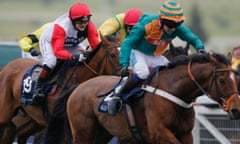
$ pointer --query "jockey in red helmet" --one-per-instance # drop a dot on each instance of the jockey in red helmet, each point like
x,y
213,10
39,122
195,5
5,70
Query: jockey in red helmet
x,y
80,13
62,39
121,23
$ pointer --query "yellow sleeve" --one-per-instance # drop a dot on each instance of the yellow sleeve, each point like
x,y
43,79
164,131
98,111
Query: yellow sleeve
x,y
235,63
25,44
111,25
31,40
39,31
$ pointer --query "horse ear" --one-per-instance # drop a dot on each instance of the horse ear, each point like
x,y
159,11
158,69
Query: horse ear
x,y
118,36
102,37
229,56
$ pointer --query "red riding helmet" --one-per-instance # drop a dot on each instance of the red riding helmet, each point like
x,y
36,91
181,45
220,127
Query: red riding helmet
x,y
79,10
132,16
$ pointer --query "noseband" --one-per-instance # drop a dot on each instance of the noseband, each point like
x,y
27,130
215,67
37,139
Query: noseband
x,y
224,100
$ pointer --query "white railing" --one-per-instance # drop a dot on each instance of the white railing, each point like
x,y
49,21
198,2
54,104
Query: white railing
x,y
212,126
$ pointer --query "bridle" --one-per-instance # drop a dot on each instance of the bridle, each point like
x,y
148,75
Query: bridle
x,y
107,59
225,99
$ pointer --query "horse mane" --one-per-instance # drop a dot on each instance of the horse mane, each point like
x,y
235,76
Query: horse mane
x,y
200,58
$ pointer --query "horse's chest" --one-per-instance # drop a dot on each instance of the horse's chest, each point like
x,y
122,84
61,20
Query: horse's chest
x,y
182,121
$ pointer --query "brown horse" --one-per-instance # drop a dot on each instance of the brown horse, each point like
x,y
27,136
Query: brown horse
x,y
164,115
103,61
56,127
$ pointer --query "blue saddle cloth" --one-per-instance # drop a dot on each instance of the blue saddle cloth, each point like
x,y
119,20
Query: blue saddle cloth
x,y
28,84
135,93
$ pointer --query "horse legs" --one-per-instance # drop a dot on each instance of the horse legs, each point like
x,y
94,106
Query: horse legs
x,y
8,134
24,128
161,135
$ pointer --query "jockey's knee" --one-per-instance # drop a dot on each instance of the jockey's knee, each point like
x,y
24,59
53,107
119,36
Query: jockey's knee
x,y
143,74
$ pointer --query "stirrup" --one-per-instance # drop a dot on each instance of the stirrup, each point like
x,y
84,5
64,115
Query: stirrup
x,y
114,105
38,98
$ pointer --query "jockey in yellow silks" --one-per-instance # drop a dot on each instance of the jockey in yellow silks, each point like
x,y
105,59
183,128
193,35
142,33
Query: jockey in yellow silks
x,y
30,42
236,59
121,23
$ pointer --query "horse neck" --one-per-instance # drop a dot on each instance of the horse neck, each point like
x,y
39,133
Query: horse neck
x,y
177,81
101,64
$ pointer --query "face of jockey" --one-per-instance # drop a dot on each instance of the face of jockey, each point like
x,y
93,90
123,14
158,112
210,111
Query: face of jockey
x,y
168,30
131,18
171,16
80,15
128,28
236,52
81,23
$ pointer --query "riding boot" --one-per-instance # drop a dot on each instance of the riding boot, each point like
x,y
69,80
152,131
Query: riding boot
x,y
115,103
38,94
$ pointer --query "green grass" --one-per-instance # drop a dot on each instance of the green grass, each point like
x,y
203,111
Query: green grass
x,y
18,17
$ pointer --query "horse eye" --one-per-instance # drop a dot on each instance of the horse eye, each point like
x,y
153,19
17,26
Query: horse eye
x,y
221,81
112,55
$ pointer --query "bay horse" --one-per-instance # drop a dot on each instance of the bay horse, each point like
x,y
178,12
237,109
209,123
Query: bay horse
x,y
103,61
56,124
165,114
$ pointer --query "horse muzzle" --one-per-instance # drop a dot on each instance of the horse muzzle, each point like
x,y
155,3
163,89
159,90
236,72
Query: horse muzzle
x,y
234,114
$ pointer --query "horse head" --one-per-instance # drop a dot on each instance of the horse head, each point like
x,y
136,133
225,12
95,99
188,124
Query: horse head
x,y
223,85
105,58
213,76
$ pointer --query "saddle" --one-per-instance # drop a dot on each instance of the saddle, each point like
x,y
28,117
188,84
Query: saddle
x,y
56,77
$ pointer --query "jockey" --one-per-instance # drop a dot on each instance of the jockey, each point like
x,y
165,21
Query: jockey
x,y
236,62
236,59
147,42
62,40
121,23
30,43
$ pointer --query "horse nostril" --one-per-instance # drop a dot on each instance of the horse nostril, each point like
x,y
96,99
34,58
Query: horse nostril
x,y
235,114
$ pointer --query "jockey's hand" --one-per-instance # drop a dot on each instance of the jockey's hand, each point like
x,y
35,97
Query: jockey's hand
x,y
124,71
34,52
202,51
79,57
86,54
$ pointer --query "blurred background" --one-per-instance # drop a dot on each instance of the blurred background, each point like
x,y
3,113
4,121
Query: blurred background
x,y
217,22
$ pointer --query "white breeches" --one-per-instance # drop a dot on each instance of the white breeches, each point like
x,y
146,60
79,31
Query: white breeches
x,y
141,63
48,56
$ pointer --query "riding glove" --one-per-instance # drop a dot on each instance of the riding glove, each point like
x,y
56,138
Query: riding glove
x,y
79,57
202,51
86,54
34,52
124,71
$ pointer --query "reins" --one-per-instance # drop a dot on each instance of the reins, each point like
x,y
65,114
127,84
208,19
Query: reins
x,y
225,102
108,60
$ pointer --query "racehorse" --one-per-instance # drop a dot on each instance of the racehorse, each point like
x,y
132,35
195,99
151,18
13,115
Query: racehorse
x,y
104,61
56,127
165,114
